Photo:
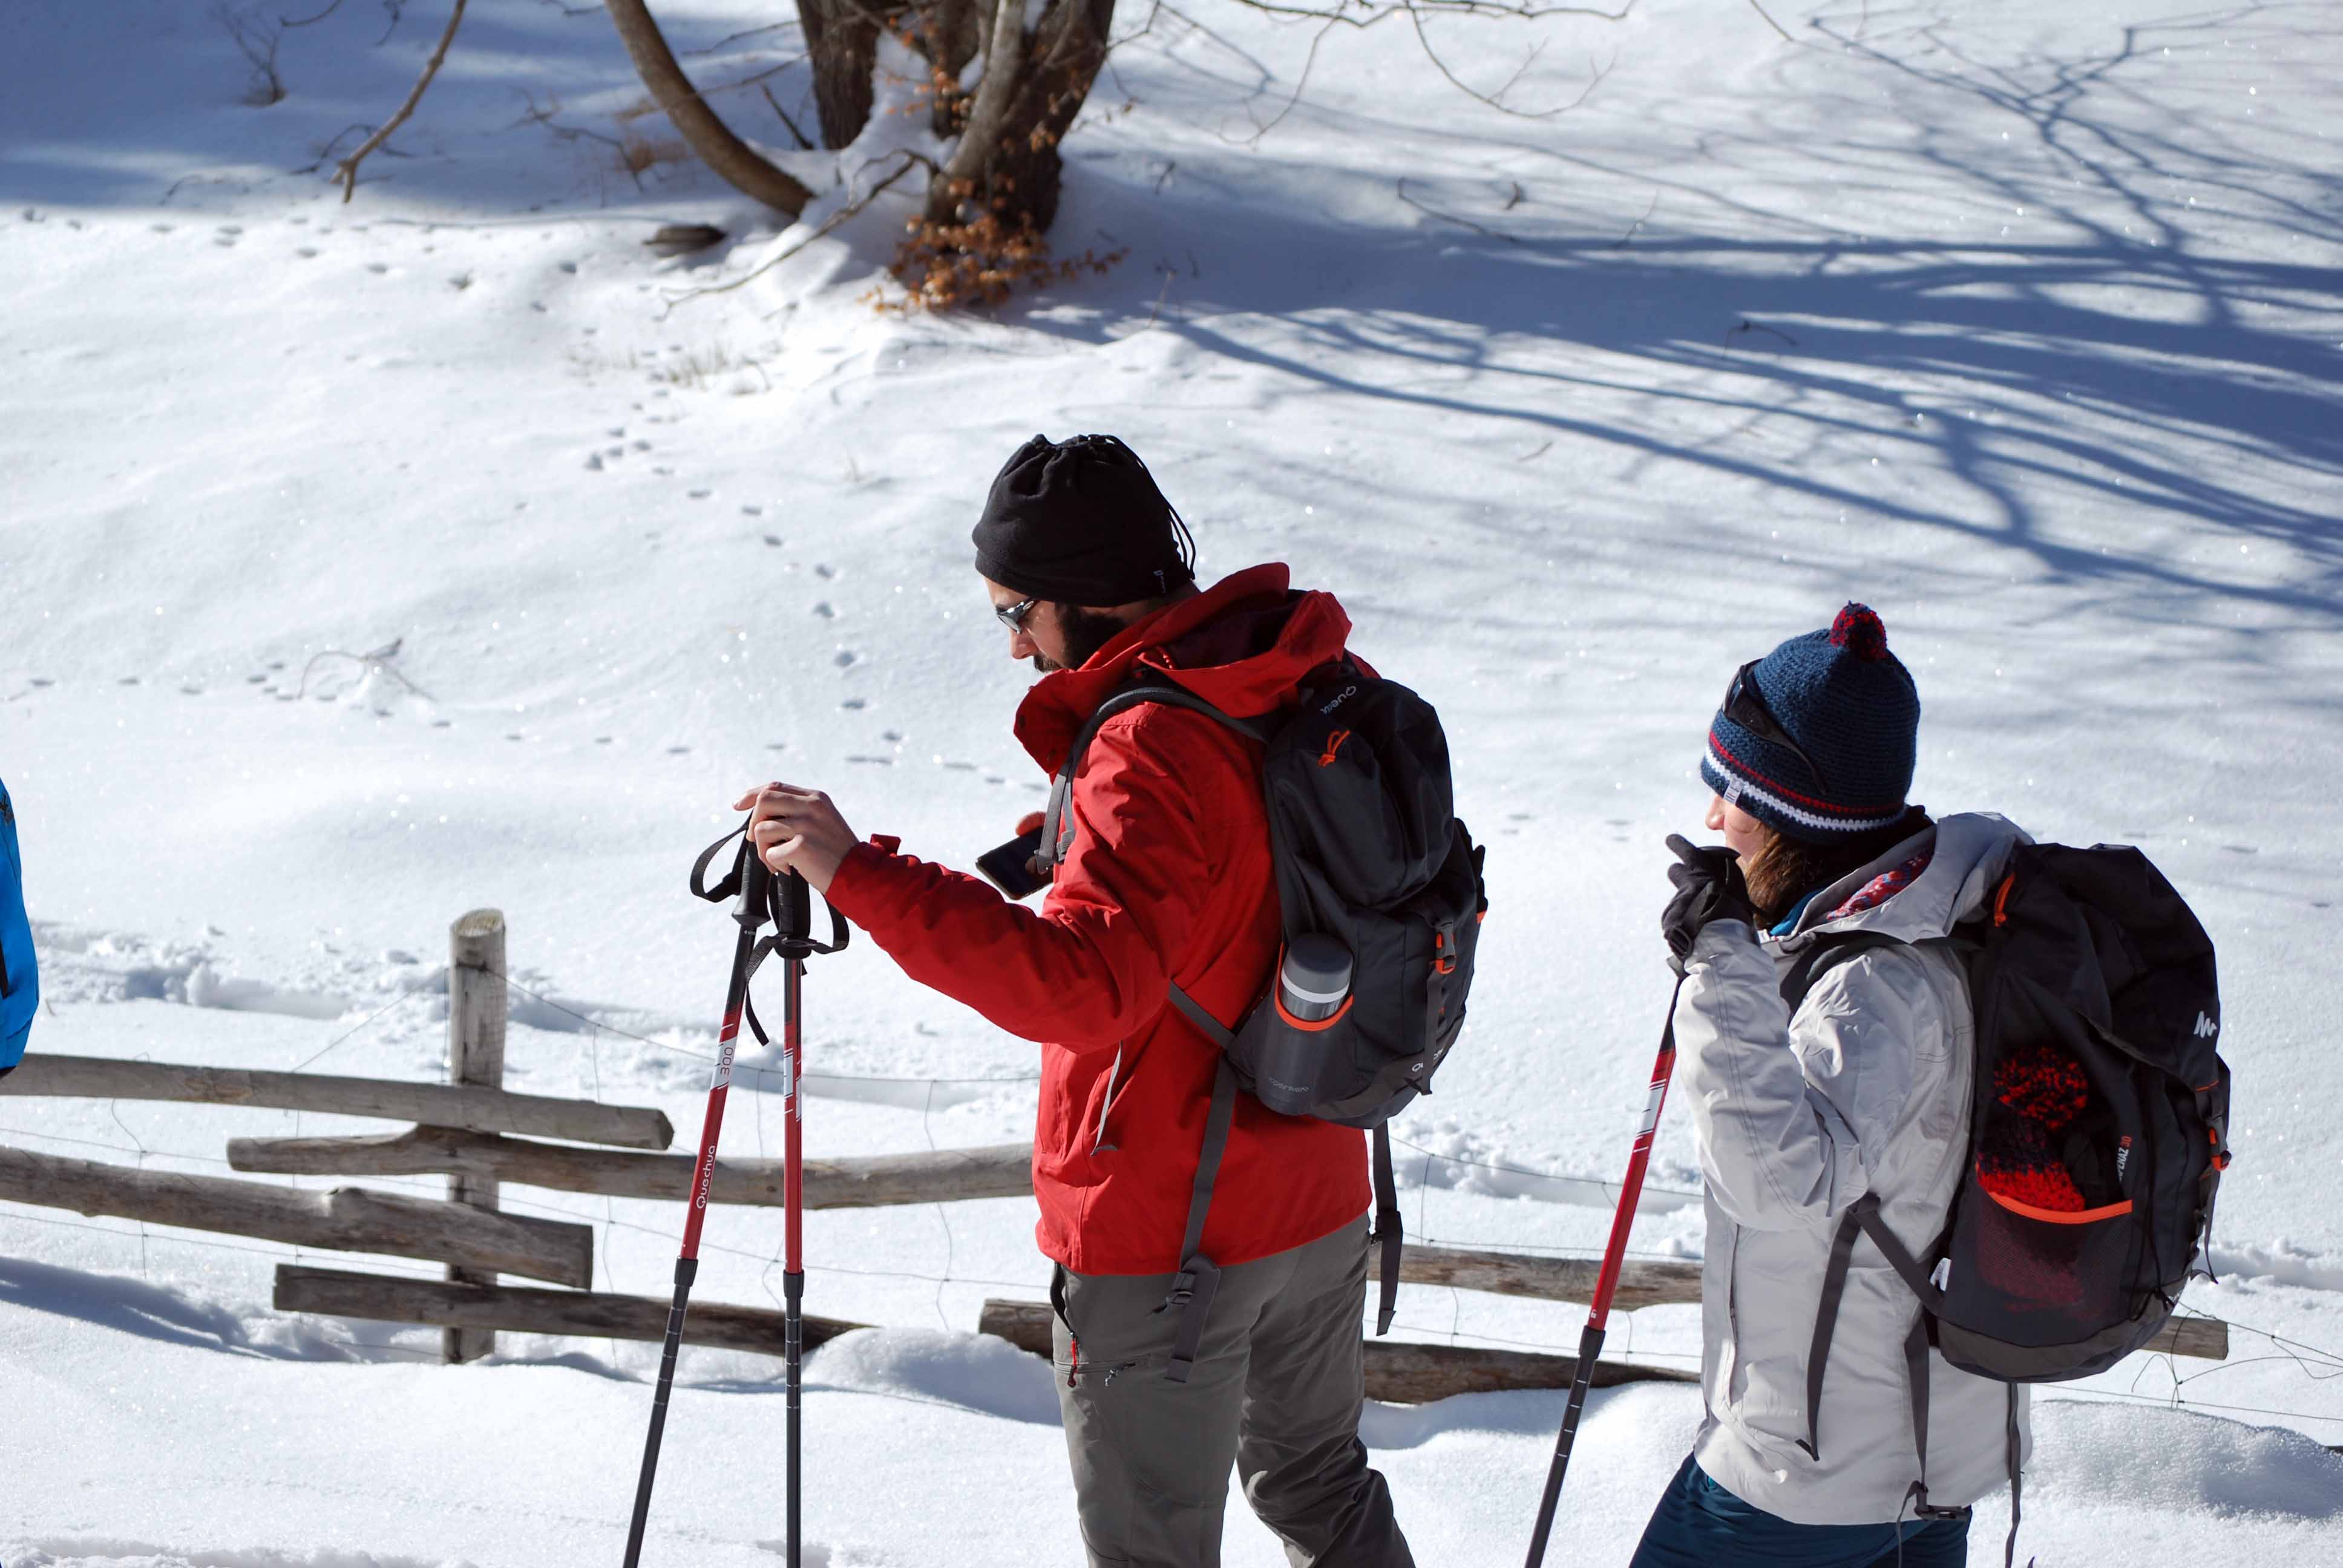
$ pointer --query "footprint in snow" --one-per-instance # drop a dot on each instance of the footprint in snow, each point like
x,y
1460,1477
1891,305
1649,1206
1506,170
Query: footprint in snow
x,y
845,658
827,610
855,704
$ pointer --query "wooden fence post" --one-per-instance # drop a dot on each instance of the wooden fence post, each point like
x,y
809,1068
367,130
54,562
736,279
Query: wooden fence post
x,y
477,1000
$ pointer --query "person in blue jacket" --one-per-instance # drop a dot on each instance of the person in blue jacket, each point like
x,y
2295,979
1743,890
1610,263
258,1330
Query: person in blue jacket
x,y
20,976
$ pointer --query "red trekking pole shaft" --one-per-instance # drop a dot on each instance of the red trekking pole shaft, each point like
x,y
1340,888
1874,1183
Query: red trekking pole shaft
x,y
1606,1283
793,1215
751,914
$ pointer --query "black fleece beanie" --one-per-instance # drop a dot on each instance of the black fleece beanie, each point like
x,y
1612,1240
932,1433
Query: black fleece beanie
x,y
1080,522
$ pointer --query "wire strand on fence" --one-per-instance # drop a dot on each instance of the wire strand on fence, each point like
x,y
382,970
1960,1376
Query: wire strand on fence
x,y
678,1048
2311,1361
359,1028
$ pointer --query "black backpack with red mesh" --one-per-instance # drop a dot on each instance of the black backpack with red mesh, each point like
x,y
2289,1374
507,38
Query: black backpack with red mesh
x,y
2098,1138
1366,849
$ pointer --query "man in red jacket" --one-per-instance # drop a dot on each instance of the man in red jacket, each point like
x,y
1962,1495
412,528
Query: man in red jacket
x,y
1167,880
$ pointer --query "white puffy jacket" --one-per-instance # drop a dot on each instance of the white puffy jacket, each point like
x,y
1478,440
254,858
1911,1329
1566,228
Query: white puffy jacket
x,y
1866,1089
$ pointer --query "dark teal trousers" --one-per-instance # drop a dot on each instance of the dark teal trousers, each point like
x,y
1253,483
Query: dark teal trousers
x,y
1699,1525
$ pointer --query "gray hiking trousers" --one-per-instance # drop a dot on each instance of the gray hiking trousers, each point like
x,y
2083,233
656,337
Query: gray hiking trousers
x,y
1275,1391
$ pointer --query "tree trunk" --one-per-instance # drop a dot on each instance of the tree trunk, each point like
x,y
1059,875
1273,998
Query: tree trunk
x,y
739,164
842,42
953,33
1007,163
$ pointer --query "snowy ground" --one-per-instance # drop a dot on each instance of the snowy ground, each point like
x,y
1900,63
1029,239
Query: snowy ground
x,y
2018,321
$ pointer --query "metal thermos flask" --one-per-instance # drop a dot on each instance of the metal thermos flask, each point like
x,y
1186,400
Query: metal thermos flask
x,y
1314,978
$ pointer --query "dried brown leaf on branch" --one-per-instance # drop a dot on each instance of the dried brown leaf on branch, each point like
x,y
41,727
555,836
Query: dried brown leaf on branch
x,y
980,263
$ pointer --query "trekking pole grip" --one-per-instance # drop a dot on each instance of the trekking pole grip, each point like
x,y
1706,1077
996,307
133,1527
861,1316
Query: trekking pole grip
x,y
755,906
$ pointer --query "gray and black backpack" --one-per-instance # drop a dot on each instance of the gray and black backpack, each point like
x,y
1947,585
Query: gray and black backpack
x,y
2098,1134
1379,902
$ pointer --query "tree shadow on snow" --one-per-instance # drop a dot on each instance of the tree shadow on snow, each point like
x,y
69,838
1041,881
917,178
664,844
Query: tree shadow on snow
x,y
145,101
2101,364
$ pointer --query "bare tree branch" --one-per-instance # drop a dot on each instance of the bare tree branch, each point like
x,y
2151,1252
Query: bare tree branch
x,y
348,170
911,160
1415,10
751,33
1770,22
1001,64
1364,14
256,42
802,144
1451,217
738,163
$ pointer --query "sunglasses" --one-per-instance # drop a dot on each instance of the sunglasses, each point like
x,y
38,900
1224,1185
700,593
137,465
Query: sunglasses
x,y
1746,706
1013,615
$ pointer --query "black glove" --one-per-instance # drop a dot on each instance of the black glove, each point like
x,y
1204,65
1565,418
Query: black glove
x,y
1708,887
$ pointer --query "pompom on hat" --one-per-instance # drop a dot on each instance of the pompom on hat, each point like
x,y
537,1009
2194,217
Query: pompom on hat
x,y
1818,739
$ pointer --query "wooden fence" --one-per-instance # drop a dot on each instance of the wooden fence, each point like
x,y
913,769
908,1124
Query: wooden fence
x,y
481,1136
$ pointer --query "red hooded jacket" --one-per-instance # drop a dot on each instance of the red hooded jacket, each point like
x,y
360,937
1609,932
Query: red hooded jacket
x,y
1168,879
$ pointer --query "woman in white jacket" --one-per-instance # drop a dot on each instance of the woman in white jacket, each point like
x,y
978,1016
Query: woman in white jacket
x,y
1864,1090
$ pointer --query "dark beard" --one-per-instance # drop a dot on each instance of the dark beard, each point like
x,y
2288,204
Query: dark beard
x,y
1085,631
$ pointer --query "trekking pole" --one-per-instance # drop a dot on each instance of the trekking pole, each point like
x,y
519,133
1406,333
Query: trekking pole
x,y
797,920
1614,1256
786,903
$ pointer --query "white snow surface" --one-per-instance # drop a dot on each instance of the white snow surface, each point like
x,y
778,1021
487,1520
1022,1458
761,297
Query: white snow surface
x,y
2017,321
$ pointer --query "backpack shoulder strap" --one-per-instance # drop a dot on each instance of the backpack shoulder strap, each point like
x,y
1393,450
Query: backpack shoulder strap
x,y
1057,828
1826,954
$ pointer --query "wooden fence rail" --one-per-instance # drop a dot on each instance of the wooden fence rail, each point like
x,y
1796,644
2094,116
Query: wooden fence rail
x,y
1001,1172
346,1219
466,1307
1397,1373
441,1105
1642,1283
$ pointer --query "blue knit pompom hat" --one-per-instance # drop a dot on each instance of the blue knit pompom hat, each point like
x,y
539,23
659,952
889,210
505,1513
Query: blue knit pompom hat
x,y
1851,716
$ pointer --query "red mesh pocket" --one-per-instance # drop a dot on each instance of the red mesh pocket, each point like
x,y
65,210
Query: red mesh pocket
x,y
2044,1275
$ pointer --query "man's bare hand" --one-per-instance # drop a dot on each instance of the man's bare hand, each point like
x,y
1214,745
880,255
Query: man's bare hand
x,y
798,829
